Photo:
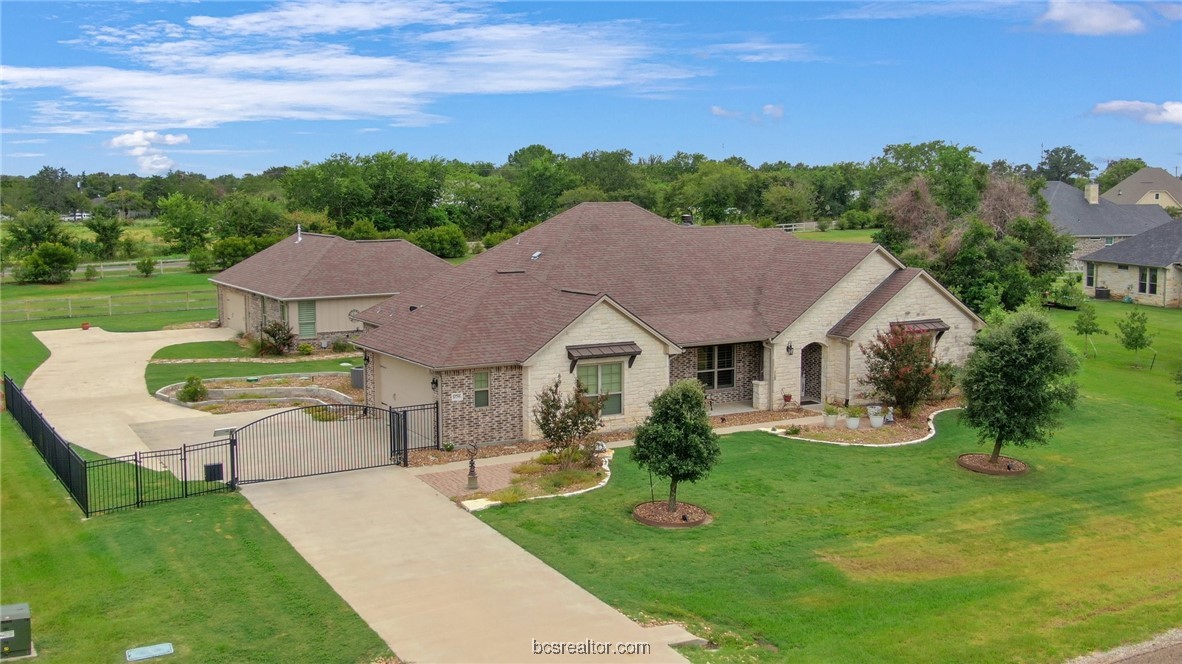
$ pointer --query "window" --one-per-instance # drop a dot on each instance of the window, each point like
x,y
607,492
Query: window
x,y
480,388
607,381
1147,280
1108,241
307,318
716,366
1122,267
1156,196
1091,275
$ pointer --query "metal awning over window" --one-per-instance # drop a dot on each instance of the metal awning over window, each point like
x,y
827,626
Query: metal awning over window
x,y
925,326
627,349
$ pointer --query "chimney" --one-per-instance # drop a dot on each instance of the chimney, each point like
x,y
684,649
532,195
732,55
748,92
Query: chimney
x,y
687,220
1092,193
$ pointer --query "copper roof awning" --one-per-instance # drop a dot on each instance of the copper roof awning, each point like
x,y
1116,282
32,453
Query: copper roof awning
x,y
925,326
627,349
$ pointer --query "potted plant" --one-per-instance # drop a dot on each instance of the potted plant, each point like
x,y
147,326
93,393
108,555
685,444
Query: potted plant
x,y
877,416
853,416
787,397
831,412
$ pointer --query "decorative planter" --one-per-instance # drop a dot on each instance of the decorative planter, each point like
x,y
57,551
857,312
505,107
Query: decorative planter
x,y
86,326
876,421
852,422
830,421
787,398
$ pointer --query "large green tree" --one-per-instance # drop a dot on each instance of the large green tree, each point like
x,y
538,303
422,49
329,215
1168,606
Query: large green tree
x,y
243,215
32,228
676,441
1064,164
184,223
1017,381
1117,170
107,232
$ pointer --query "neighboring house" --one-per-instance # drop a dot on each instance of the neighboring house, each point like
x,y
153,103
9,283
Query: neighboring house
x,y
628,302
1147,268
1148,186
316,283
1096,222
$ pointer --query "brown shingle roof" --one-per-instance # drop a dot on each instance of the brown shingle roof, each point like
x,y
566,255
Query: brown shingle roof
x,y
320,266
872,303
693,285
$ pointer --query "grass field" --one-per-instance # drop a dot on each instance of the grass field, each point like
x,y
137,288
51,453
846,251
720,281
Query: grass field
x,y
207,574
862,235
827,554
159,375
132,285
201,350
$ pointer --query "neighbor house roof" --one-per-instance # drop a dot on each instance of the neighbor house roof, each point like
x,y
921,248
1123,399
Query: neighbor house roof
x,y
311,265
1134,187
1072,213
1157,247
691,284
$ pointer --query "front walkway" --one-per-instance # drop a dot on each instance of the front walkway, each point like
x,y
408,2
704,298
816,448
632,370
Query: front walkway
x,y
92,386
436,583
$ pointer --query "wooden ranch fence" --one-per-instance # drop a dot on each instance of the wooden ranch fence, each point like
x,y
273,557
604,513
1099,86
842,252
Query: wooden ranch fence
x,y
12,311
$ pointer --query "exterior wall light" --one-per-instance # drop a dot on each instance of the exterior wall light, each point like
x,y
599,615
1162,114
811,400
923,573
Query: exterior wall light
x,y
790,349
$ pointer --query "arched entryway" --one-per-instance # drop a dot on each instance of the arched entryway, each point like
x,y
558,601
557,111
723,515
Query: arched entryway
x,y
812,368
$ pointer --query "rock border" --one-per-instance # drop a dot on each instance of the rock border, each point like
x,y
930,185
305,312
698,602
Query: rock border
x,y
931,433
1000,472
478,504
677,525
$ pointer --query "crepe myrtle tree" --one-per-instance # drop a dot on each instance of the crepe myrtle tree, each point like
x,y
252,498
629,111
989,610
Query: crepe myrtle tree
x,y
677,441
1017,381
900,367
568,421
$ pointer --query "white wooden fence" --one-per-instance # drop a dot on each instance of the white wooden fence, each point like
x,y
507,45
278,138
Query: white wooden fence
x,y
798,226
12,311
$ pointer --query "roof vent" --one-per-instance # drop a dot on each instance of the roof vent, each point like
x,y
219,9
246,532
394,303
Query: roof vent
x,y
687,220
413,307
536,255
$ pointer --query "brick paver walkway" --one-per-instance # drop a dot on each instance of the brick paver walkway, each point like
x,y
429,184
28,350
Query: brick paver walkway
x,y
452,483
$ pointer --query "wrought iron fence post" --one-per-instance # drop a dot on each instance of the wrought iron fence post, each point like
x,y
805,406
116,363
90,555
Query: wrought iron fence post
x,y
185,471
139,491
234,461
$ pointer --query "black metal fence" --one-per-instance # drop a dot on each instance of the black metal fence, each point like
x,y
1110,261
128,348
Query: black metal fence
x,y
311,440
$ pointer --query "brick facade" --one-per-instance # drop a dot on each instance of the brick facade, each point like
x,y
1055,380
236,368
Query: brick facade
x,y
1121,283
498,422
748,360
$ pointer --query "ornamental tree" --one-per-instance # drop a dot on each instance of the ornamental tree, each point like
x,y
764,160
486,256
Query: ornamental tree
x,y
677,441
1017,381
900,367
1086,325
1133,334
567,421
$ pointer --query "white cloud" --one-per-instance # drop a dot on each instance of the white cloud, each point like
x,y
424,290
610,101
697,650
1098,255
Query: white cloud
x,y
24,155
1091,18
311,17
775,111
1169,10
874,11
145,147
29,141
720,112
756,50
767,112
1169,112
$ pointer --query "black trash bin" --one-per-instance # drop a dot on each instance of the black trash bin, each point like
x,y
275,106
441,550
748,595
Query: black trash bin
x,y
358,376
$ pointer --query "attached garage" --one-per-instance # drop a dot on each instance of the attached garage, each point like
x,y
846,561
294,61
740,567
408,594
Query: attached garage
x,y
232,309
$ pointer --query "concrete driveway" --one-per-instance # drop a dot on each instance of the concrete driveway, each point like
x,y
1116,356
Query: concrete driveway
x,y
436,583
92,386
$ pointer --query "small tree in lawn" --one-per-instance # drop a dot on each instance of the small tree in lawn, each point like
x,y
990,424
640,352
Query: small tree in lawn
x,y
146,266
1086,325
1017,380
1133,334
567,421
677,441
901,367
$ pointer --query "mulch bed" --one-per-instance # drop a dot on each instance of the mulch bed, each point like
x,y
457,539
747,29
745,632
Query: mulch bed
x,y
236,406
657,514
342,383
979,463
758,417
901,431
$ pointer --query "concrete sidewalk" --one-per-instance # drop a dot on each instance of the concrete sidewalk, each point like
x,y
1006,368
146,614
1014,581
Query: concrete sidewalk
x,y
434,582
92,386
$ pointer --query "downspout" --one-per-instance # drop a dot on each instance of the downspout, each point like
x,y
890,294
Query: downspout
x,y
848,345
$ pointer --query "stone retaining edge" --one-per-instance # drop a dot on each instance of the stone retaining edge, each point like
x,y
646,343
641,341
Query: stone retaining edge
x,y
483,504
931,432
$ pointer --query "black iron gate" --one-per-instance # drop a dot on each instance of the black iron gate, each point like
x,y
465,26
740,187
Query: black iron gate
x,y
332,438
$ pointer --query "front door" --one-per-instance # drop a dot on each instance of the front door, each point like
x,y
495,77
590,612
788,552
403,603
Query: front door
x,y
811,362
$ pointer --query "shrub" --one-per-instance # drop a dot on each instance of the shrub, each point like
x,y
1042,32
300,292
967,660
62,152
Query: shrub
x,y
193,390
341,345
900,368
946,377
824,224
548,459
92,273
855,411
305,348
443,241
449,447
146,266
50,263
200,260
491,240
231,251
325,413
276,338
857,219
676,441
567,422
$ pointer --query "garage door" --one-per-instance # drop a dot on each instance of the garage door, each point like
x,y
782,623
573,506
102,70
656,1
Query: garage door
x,y
233,308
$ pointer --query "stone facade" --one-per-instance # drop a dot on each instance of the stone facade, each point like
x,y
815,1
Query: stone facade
x,y
371,361
1121,283
748,367
498,422
1085,246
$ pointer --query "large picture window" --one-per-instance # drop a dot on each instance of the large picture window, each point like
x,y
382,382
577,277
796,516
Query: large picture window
x,y
1147,280
607,381
716,366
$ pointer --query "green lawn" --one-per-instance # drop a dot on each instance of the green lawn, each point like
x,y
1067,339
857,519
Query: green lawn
x,y
862,235
825,554
201,350
159,375
125,285
207,574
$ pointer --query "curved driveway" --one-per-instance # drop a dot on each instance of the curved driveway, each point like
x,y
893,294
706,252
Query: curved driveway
x,y
92,386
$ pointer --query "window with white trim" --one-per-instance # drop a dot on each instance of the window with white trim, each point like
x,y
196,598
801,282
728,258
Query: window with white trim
x,y
606,381
480,389
1147,280
716,366
307,318
1091,275
1108,241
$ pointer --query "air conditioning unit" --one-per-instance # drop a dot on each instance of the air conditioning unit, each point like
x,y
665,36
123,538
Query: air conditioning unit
x,y
16,638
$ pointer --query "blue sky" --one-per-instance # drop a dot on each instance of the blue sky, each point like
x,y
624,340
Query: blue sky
x,y
230,87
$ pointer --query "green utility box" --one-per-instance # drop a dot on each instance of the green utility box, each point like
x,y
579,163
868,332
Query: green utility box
x,y
16,637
